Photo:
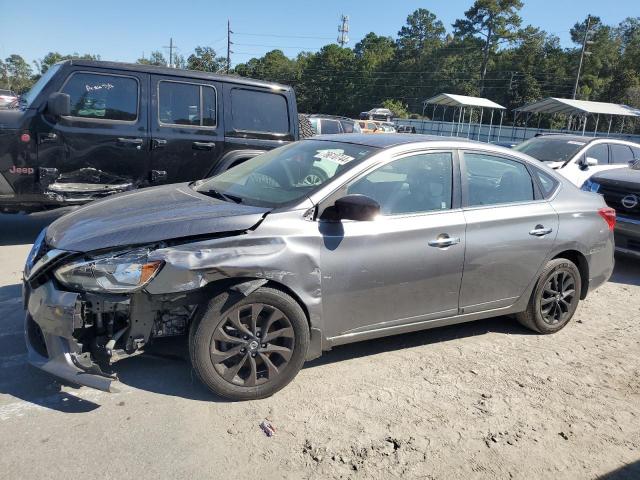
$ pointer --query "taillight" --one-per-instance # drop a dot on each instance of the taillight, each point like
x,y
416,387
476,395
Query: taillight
x,y
608,215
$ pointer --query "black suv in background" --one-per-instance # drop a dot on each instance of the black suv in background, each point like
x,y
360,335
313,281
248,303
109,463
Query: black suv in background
x,y
89,129
621,190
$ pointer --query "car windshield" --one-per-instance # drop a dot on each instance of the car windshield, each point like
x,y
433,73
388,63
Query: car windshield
x,y
27,99
549,149
285,174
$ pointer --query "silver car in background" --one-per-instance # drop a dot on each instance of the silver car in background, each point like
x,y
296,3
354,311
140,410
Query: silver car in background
x,y
262,270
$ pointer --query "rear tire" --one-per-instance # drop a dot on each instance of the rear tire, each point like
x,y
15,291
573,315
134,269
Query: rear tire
x,y
305,129
246,348
554,299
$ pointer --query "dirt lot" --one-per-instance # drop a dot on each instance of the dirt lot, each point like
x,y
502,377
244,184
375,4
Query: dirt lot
x,y
483,400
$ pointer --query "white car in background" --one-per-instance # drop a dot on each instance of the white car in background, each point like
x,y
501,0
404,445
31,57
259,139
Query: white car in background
x,y
577,157
7,98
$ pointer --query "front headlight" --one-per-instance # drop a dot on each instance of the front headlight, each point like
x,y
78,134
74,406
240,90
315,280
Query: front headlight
x,y
121,272
591,186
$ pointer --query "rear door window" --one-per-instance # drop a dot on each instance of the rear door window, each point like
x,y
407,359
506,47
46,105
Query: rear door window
x,y
347,127
102,97
256,111
189,104
493,180
620,154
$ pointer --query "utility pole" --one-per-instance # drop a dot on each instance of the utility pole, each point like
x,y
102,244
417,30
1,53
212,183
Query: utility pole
x,y
171,48
229,43
343,29
583,52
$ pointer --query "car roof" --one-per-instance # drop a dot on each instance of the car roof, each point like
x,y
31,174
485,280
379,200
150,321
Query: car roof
x,y
175,72
388,140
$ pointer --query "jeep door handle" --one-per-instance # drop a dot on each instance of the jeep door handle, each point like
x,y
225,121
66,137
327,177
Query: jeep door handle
x,y
540,231
158,143
130,141
444,241
203,145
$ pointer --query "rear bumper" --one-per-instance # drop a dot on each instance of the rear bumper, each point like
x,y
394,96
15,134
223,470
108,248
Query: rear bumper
x,y
52,315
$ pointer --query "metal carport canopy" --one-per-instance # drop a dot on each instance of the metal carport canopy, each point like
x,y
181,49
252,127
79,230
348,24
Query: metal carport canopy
x,y
452,100
567,106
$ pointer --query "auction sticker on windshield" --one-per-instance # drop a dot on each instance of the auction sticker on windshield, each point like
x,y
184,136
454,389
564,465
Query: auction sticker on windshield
x,y
335,155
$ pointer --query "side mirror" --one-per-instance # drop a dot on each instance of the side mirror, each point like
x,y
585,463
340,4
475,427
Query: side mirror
x,y
356,207
59,104
590,162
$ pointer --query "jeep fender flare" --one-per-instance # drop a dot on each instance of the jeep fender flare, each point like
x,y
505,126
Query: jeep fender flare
x,y
229,159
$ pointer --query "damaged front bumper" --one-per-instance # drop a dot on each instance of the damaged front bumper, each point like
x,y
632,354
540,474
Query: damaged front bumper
x,y
51,318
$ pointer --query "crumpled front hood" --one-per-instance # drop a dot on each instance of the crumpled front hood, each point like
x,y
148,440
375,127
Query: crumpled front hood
x,y
146,216
10,119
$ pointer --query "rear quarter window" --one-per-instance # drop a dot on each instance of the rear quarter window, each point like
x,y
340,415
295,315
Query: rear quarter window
x,y
256,111
547,183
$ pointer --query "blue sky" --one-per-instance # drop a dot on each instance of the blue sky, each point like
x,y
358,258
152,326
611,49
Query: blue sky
x,y
123,30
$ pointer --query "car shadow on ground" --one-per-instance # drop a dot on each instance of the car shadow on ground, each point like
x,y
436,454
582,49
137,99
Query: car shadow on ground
x,y
630,471
165,368
627,270
21,228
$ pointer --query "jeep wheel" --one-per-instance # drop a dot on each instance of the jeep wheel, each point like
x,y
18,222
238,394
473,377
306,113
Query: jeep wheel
x,y
555,298
251,347
304,127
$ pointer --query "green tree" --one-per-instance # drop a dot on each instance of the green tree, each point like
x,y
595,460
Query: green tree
x,y
54,57
18,73
206,60
493,21
156,58
398,108
422,32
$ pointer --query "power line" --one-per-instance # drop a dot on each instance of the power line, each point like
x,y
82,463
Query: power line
x,y
313,37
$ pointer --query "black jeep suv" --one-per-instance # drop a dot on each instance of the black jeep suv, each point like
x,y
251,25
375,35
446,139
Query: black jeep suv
x,y
88,129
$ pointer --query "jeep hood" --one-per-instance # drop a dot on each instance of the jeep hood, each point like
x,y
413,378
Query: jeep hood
x,y
149,215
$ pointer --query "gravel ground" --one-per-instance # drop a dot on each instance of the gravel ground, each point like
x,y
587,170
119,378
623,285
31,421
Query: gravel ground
x,y
483,400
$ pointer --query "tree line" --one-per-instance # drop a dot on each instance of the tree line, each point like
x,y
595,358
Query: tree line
x,y
487,52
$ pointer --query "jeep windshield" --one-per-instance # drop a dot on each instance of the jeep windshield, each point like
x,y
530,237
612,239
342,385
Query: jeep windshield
x,y
550,149
285,174
27,99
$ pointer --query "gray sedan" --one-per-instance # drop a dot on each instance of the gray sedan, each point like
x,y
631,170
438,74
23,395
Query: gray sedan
x,y
262,270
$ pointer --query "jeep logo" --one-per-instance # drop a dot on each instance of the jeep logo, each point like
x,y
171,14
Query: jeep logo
x,y
21,170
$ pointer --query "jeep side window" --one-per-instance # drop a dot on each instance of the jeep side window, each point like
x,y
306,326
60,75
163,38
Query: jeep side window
x,y
181,103
102,97
255,111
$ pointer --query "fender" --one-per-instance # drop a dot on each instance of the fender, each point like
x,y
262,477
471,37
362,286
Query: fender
x,y
229,159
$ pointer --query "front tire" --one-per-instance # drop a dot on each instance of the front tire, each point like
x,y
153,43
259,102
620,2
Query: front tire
x,y
246,348
555,298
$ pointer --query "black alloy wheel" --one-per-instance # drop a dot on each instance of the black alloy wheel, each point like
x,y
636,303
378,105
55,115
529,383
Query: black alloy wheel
x,y
252,345
558,296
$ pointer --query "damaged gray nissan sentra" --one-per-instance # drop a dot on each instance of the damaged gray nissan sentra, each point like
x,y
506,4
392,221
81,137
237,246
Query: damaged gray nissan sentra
x,y
263,267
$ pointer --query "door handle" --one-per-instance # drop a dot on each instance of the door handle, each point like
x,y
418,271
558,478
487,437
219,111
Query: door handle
x,y
136,142
540,231
158,143
203,145
443,241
